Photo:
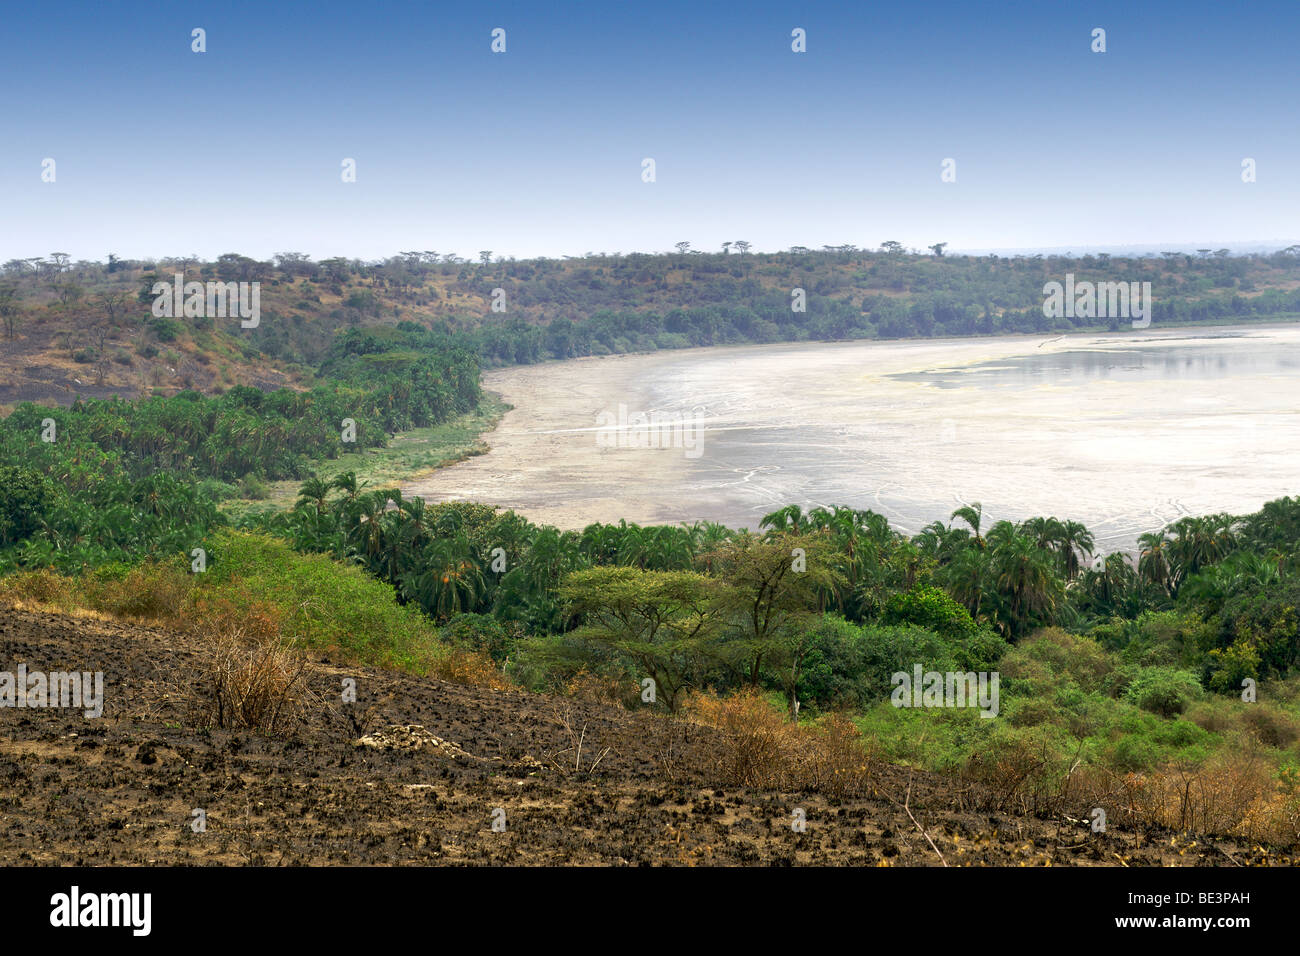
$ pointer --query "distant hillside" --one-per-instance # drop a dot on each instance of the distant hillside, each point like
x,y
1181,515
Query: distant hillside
x,y
86,328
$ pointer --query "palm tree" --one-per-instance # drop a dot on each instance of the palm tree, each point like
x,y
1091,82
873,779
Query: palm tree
x,y
451,580
941,542
1074,544
314,491
368,530
600,543
347,483
706,538
1200,542
818,518
965,578
973,515
1113,586
1275,524
1026,578
930,539
669,548
1244,571
789,518
1153,560
527,592
1046,532
1003,533
632,550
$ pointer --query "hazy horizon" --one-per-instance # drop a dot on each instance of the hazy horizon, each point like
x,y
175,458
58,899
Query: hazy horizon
x,y
1136,252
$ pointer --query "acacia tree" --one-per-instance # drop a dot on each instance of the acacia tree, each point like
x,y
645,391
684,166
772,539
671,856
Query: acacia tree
x,y
774,591
664,623
114,304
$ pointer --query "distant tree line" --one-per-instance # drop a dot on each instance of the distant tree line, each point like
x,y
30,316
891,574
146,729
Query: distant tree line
x,y
609,303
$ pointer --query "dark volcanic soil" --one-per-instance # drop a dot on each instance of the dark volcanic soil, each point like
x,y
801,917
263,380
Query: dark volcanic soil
x,y
121,789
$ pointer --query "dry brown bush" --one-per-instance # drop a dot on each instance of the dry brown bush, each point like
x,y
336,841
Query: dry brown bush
x,y
1233,793
252,678
1273,819
214,615
836,762
1021,774
761,749
757,739
152,591
38,587
568,760
258,685
471,668
1213,797
1270,725
597,689
1217,715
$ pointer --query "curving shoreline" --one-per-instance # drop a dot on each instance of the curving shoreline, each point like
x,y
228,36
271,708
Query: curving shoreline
x,y
1179,422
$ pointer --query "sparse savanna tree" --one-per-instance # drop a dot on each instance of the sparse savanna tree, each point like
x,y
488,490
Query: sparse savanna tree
x,y
775,587
9,307
660,623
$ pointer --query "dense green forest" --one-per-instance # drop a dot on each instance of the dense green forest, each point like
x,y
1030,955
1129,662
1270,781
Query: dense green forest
x,y
1231,584
118,479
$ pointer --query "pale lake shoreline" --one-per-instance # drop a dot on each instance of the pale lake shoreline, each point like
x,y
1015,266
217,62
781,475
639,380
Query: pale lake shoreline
x,y
1124,431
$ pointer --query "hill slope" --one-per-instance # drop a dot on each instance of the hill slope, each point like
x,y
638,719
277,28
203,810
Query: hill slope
x,y
121,790
86,328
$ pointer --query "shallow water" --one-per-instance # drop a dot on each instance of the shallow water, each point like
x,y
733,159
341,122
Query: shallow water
x,y
1123,432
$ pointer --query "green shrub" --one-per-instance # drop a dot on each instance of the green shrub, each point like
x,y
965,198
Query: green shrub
x,y
323,603
1163,690
26,499
478,632
165,330
930,608
253,488
1134,752
1229,667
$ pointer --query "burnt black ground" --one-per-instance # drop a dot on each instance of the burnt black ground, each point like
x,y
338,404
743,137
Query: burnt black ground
x,y
121,789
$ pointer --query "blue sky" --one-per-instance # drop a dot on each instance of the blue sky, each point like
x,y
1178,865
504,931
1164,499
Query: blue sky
x,y
538,151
